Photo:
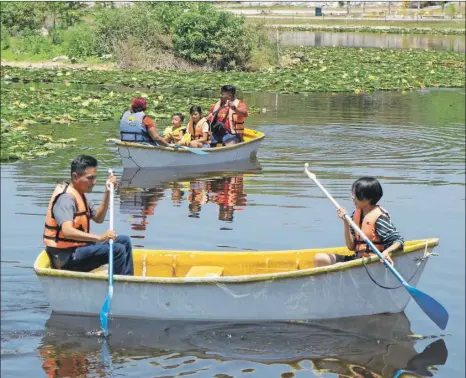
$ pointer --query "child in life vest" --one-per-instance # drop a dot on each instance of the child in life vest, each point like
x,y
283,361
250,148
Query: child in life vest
x,y
175,132
372,219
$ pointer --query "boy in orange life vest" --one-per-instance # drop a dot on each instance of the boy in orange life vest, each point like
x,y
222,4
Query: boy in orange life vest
x,y
69,242
231,112
198,129
372,219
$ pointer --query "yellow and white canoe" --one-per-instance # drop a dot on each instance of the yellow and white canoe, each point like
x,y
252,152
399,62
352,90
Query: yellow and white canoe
x,y
239,286
136,155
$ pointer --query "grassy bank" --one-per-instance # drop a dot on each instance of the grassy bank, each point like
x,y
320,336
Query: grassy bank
x,y
301,70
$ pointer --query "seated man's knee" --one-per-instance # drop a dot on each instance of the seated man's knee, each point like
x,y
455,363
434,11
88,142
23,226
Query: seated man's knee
x,y
119,250
322,259
123,239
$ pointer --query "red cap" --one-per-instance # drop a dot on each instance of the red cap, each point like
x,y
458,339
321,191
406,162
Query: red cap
x,y
139,103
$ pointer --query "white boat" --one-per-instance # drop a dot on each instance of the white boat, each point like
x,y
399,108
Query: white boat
x,y
138,155
239,286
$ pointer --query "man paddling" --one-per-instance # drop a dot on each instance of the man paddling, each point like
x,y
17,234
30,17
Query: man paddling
x,y
69,243
227,117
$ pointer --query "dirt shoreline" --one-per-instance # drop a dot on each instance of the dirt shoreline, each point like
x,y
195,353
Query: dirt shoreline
x,y
61,65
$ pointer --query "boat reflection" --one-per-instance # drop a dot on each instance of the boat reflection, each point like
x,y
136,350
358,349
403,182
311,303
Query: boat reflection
x,y
155,178
141,191
371,346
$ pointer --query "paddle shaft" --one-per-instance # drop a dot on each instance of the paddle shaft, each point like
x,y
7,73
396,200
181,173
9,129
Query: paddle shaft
x,y
105,311
110,254
356,228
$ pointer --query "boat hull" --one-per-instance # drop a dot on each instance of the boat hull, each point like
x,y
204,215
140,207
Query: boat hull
x,y
145,156
319,293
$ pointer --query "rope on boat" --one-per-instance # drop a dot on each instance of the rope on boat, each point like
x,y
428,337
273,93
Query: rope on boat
x,y
127,157
396,287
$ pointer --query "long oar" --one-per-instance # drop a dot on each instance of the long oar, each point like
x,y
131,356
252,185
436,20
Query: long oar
x,y
196,151
105,311
434,310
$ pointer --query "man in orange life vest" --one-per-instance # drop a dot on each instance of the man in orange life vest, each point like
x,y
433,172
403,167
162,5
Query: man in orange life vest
x,y
372,219
228,114
69,242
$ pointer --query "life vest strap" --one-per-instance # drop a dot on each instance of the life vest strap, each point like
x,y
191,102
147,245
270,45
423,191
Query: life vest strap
x,y
64,239
52,227
357,241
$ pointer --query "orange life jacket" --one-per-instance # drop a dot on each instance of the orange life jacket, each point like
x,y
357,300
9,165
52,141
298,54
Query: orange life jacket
x,y
235,124
196,133
53,235
367,226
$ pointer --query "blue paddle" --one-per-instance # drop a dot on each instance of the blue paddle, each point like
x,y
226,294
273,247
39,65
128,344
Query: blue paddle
x,y
196,151
105,311
434,310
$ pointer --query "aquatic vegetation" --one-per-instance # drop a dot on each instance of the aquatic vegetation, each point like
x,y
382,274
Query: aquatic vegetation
x,y
24,107
18,143
105,95
372,29
332,69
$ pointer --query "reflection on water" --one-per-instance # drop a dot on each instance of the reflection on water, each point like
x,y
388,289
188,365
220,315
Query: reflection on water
x,y
142,189
385,40
413,142
372,346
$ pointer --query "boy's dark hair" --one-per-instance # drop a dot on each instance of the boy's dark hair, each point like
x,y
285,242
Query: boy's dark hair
x,y
229,88
195,109
367,189
179,115
81,162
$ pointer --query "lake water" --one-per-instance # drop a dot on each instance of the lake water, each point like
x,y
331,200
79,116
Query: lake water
x,y
385,40
414,143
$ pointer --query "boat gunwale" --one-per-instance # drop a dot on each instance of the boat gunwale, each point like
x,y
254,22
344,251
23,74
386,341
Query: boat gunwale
x,y
119,143
416,246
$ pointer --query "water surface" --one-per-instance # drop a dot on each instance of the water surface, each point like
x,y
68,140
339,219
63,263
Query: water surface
x,y
414,143
362,39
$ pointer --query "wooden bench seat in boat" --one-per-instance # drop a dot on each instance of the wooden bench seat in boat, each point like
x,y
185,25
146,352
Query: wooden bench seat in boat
x,y
100,270
205,271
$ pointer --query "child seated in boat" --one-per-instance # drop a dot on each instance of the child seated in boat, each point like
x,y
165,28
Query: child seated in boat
x,y
175,132
198,132
372,219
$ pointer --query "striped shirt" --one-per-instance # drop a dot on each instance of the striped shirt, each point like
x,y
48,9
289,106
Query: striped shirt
x,y
385,230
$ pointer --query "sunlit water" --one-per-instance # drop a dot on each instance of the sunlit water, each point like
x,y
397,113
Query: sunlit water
x,y
385,40
415,145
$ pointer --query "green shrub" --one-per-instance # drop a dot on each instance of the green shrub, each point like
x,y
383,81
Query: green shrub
x,y
115,25
57,36
264,49
450,10
166,12
4,38
32,43
81,41
204,35
18,15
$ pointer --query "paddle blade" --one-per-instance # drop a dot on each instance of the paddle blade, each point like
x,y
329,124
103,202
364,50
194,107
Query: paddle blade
x,y
104,315
193,150
197,151
430,306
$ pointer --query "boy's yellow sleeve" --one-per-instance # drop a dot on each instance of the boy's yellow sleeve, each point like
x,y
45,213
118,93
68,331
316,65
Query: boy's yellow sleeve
x,y
167,131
